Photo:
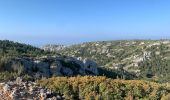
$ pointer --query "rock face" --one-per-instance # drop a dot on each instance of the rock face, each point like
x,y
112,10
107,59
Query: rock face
x,y
53,66
90,66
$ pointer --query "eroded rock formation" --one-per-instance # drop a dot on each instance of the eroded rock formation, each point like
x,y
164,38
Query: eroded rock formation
x,y
52,66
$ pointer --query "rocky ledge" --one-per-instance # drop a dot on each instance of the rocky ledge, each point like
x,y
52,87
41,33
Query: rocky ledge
x,y
52,66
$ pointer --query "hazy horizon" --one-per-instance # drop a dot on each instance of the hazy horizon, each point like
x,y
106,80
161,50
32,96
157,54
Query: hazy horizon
x,y
40,22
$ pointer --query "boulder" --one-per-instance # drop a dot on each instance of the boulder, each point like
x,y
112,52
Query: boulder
x,y
6,88
18,80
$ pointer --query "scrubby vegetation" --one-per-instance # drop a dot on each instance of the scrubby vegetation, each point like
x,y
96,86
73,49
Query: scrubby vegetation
x,y
10,48
115,74
6,76
147,59
102,88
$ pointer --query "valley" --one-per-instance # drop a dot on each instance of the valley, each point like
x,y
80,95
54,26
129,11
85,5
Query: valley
x,y
121,70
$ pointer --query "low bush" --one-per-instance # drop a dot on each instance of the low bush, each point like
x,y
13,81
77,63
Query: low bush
x,y
102,88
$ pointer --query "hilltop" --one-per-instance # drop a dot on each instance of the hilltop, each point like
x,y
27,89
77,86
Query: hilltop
x,y
11,48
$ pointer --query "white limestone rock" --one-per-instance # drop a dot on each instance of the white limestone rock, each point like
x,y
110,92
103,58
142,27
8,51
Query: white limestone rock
x,y
90,66
6,88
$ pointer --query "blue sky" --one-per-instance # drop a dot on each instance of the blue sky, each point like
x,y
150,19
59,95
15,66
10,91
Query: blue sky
x,y
39,22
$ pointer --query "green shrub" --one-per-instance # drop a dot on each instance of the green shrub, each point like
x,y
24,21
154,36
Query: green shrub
x,y
90,88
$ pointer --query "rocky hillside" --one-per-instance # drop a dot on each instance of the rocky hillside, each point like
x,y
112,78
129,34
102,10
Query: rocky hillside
x,y
18,59
147,59
53,48
87,64
21,60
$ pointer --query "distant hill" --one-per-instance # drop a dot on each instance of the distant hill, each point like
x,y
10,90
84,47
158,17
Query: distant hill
x,y
10,48
147,59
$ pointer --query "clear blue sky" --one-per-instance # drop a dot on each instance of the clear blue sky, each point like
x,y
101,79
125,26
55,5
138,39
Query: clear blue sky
x,y
41,22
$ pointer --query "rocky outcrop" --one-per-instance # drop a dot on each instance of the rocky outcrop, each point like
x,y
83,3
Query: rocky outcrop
x,y
71,66
20,90
90,65
52,66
